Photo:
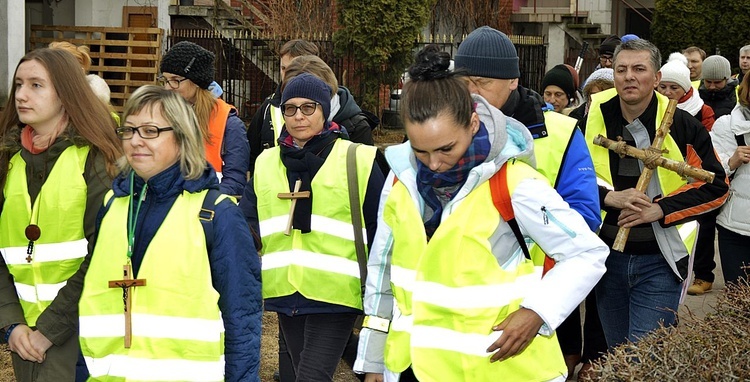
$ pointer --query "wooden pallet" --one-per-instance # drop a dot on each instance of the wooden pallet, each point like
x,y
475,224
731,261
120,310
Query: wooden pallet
x,y
124,57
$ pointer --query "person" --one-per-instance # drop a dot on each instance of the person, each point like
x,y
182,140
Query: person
x,y
188,70
717,88
606,50
642,286
599,80
744,63
319,247
450,295
197,315
730,136
57,157
695,57
265,127
559,88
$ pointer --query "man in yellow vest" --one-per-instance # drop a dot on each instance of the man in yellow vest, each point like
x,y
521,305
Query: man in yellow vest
x,y
642,285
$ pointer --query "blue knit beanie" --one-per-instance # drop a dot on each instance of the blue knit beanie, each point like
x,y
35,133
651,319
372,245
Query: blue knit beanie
x,y
487,52
311,87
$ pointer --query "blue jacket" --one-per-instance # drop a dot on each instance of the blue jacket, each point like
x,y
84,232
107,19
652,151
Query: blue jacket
x,y
236,156
235,265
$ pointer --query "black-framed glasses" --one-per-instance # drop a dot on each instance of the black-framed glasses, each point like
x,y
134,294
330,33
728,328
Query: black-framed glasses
x,y
305,108
144,131
173,83
604,58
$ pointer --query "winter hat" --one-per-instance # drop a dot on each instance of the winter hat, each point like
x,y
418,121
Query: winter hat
x,y
716,68
675,71
609,44
677,56
560,76
487,52
629,37
191,61
311,87
607,74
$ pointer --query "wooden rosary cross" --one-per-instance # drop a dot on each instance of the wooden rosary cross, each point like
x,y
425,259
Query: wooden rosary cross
x,y
294,195
126,283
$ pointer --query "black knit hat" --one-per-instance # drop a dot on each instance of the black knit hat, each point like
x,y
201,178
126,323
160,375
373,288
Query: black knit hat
x,y
311,87
609,44
191,61
487,52
560,76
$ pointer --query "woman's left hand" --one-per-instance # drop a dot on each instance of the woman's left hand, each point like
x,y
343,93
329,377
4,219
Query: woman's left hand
x,y
519,328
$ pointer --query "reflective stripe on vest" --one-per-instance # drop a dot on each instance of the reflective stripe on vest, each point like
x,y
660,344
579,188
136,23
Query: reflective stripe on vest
x,y
217,123
177,330
59,212
456,300
326,255
277,121
668,181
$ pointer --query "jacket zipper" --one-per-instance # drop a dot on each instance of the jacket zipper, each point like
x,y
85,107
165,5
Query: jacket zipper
x,y
547,216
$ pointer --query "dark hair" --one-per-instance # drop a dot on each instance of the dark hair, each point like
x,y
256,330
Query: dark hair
x,y
692,49
433,89
296,48
744,93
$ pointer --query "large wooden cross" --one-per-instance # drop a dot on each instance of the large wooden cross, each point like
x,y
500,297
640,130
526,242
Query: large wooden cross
x,y
294,195
652,159
126,284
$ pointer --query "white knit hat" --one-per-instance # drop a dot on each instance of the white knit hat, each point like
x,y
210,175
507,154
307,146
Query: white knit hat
x,y
675,71
677,56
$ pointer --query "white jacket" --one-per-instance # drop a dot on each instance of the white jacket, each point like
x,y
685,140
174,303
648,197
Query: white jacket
x,y
734,214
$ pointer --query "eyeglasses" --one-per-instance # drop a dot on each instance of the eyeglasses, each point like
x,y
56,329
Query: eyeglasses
x,y
144,131
305,108
174,84
605,58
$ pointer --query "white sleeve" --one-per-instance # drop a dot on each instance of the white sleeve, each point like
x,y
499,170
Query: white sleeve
x,y
723,140
564,235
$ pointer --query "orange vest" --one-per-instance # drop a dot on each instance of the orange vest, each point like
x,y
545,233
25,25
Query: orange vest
x,y
216,126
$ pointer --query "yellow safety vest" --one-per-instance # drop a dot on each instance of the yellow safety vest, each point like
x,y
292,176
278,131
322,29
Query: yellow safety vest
x,y
453,291
321,264
177,330
58,211
277,121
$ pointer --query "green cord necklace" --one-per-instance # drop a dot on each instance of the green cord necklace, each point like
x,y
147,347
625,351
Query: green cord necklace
x,y
133,215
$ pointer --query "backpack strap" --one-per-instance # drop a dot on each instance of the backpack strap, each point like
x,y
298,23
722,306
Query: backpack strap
x,y
501,200
354,206
206,215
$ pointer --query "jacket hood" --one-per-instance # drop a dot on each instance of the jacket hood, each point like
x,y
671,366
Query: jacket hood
x,y
167,183
348,107
724,93
510,139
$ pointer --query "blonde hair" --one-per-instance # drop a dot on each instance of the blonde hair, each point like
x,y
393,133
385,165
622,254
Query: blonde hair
x,y
313,65
205,103
81,53
177,111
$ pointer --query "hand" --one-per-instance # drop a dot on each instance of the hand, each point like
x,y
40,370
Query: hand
x,y
519,328
373,377
630,199
741,156
20,344
629,218
39,342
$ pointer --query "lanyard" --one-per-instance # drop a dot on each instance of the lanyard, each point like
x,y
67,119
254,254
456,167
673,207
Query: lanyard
x,y
133,215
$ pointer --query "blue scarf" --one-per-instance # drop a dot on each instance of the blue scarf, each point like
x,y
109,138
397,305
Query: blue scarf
x,y
428,180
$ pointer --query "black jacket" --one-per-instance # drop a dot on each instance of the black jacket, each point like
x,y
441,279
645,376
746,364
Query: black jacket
x,y
722,101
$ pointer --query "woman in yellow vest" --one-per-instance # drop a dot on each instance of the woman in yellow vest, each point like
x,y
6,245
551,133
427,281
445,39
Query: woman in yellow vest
x,y
188,70
311,273
193,312
57,156
452,294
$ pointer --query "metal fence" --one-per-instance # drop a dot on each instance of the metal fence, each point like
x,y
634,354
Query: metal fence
x,y
247,66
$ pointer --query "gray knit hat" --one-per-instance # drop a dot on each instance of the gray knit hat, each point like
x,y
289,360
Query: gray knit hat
x,y
716,68
487,52
191,61
311,87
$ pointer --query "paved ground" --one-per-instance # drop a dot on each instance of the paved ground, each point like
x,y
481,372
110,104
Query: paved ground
x,y
706,303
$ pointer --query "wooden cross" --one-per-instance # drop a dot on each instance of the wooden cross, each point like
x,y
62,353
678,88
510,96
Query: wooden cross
x,y
294,195
126,283
651,161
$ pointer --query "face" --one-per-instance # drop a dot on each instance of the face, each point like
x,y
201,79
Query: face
x,y
36,99
714,85
605,60
284,63
495,91
149,157
554,95
304,127
186,89
695,63
440,142
671,90
745,61
635,77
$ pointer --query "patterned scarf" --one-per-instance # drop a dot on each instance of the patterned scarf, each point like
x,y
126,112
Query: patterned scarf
x,y
428,180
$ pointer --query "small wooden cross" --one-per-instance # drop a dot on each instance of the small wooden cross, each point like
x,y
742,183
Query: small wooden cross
x,y
294,195
126,283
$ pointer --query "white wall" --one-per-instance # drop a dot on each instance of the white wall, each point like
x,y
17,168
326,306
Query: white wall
x,y
13,28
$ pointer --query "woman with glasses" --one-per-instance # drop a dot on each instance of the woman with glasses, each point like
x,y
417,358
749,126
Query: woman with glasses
x,y
173,288
188,70
57,158
300,198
